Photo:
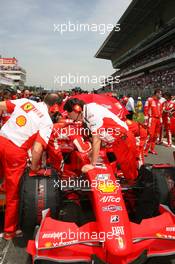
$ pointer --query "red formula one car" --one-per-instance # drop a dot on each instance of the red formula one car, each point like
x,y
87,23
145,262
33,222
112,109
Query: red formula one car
x,y
98,217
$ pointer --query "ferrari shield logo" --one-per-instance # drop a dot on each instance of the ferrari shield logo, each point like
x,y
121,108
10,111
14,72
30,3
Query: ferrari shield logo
x,y
27,107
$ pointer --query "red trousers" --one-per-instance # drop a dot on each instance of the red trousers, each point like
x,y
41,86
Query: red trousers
x,y
13,161
153,132
1,174
125,151
140,145
172,125
55,157
167,126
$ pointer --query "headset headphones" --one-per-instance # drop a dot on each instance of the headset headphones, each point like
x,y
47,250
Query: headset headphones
x,y
77,108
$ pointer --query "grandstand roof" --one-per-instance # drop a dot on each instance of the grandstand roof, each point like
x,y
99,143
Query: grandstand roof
x,y
135,15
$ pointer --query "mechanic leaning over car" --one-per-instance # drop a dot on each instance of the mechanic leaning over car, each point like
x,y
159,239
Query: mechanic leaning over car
x,y
29,126
106,126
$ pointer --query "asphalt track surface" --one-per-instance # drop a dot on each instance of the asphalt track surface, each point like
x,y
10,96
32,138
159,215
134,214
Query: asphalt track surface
x,y
13,252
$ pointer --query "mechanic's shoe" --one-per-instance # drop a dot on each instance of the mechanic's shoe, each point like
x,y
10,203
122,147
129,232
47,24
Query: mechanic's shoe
x,y
153,152
146,153
10,236
2,188
18,233
159,143
168,145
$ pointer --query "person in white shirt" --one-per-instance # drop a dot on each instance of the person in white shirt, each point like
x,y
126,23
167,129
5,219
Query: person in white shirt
x,y
29,126
106,127
130,107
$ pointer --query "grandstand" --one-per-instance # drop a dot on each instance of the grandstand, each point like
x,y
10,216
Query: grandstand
x,y
11,73
143,52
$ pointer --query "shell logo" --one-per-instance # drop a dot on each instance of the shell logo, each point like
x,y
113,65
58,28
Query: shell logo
x,y
158,235
129,122
107,187
21,121
48,244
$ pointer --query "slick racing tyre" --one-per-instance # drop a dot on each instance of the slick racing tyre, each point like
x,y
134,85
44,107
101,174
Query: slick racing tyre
x,y
54,262
158,185
94,259
36,194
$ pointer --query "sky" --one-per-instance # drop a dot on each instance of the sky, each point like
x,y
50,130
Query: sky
x,y
30,30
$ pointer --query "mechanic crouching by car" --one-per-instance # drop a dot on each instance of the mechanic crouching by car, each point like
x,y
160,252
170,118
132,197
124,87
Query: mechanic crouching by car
x,y
29,126
65,133
106,126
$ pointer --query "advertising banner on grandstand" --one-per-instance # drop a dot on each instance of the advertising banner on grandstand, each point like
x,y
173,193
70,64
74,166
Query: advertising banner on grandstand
x,y
6,81
8,61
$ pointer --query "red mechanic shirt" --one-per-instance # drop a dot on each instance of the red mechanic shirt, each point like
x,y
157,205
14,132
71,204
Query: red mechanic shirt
x,y
168,108
153,107
64,132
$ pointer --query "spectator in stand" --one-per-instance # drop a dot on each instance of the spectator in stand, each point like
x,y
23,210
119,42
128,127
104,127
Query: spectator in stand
x,y
130,107
26,93
146,83
157,53
18,94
